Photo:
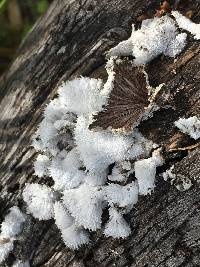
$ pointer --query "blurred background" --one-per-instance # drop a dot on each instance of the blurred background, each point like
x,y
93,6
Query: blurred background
x,y
16,19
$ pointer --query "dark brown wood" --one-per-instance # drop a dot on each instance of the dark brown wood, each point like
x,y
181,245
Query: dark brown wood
x,y
166,225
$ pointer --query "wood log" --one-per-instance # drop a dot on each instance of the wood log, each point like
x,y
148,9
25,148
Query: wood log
x,y
71,40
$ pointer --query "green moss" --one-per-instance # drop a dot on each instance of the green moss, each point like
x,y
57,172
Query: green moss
x,y
42,6
2,5
11,38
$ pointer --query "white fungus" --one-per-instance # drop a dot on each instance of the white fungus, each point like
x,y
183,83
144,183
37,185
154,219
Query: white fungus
x,y
10,229
46,132
168,174
123,196
41,165
156,36
99,149
80,166
189,126
85,89
74,237
186,24
93,169
12,224
50,133
145,172
109,84
5,248
40,200
62,217
85,204
117,226
65,171
118,174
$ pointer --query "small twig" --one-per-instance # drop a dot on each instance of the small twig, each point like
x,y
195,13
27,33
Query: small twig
x,y
185,148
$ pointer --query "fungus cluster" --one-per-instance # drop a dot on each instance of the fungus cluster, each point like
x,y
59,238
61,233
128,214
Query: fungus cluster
x,y
90,168
95,169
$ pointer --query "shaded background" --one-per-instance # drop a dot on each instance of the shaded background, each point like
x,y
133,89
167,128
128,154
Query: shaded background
x,y
16,20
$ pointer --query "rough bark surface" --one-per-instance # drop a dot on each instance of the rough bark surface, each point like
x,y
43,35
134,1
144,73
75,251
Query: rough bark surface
x,y
71,40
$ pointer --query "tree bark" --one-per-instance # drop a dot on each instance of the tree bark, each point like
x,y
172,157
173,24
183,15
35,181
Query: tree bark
x,y
71,40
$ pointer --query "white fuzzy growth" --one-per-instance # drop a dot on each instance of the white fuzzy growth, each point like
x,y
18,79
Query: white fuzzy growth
x,y
126,165
186,24
85,204
37,143
10,228
54,111
47,132
118,173
55,118
5,248
62,218
169,174
145,172
19,263
108,86
140,146
116,227
43,139
96,179
53,114
41,165
65,171
123,196
12,224
74,237
124,48
85,89
156,36
99,149
189,126
135,150
78,160
40,200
